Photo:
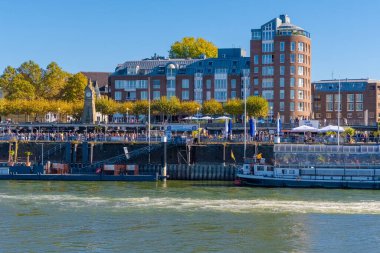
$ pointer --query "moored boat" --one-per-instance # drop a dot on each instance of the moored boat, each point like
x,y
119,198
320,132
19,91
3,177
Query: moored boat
x,y
315,166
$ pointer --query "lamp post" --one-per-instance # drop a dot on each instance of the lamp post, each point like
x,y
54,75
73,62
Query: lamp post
x,y
199,126
127,115
245,119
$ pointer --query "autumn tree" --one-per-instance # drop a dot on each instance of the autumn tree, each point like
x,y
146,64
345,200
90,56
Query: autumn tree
x,y
257,106
189,107
212,107
53,81
190,47
74,87
140,107
166,107
234,107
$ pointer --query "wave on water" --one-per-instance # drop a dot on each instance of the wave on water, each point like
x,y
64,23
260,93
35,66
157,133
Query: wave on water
x,y
194,204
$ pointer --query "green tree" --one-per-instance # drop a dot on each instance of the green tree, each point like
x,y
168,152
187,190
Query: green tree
x,y
74,88
15,86
212,107
32,73
53,82
257,106
190,47
166,107
234,107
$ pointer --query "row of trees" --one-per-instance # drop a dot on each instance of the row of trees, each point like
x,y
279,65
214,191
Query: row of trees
x,y
29,81
36,109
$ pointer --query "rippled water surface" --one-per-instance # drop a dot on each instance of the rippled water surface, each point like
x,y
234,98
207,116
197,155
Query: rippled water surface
x,y
184,217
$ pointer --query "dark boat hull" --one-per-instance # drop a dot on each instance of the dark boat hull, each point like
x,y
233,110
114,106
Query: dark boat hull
x,y
296,183
79,177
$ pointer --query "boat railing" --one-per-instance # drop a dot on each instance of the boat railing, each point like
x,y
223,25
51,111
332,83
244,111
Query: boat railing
x,y
328,166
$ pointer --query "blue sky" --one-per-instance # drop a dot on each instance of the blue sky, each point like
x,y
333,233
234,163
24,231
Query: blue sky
x,y
94,35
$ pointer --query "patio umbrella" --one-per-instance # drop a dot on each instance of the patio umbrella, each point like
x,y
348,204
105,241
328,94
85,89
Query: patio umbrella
x,y
279,126
331,128
230,127
206,118
191,118
223,117
252,127
304,129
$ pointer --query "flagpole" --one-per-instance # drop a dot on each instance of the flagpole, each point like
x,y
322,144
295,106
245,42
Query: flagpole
x,y
338,111
149,118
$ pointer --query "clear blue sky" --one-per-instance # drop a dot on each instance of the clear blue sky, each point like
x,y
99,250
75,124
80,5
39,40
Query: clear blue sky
x,y
95,35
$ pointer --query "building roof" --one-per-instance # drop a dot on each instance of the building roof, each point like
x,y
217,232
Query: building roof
x,y
231,60
346,85
100,77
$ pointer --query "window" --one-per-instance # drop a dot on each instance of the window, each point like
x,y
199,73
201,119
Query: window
x,y
300,46
300,70
233,83
267,47
208,95
233,94
350,98
328,115
255,59
118,95
156,84
185,83
337,97
300,82
144,95
221,95
198,95
300,94
350,107
119,84
156,94
291,94
267,58
359,106
282,106
292,70
131,95
292,58
329,98
292,82
170,93
198,84
141,84
185,95
282,46
282,94
359,97
300,58
300,106
220,84
170,84
282,82
282,70
256,70
291,105
282,58
208,84
292,46
267,94
255,81
267,83
268,71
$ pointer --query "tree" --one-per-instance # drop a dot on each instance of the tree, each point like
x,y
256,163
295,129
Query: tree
x,y
257,106
140,107
166,107
234,107
53,82
189,47
106,106
32,73
189,107
15,86
212,107
74,88
349,131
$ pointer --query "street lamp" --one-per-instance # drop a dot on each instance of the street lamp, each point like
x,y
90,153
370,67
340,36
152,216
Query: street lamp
x,y
199,126
127,115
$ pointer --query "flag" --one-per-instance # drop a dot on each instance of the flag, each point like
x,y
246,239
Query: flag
x,y
259,156
233,156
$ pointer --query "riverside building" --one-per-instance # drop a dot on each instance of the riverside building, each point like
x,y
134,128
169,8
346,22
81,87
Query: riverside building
x,y
278,69
358,101
281,68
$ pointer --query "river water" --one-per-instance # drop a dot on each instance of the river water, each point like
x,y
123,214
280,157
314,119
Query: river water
x,y
184,217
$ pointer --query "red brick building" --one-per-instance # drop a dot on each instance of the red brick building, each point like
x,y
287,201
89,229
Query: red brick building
x,y
281,68
359,101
